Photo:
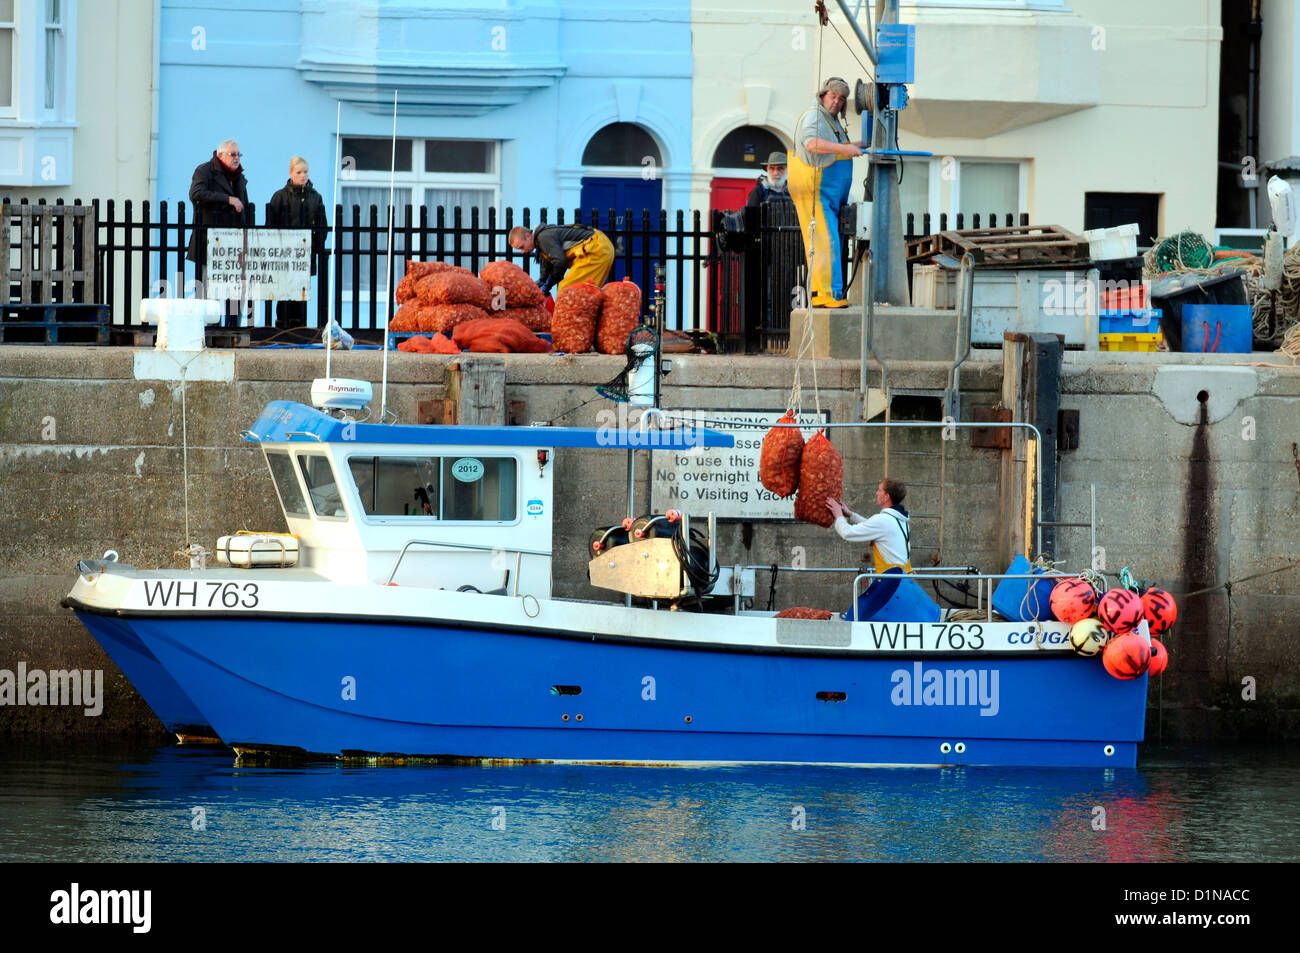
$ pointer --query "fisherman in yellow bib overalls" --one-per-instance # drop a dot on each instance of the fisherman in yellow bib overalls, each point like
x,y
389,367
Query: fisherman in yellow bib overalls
x,y
889,531
568,254
821,171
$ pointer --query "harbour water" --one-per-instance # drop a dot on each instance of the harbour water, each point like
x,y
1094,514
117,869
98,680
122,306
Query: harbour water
x,y
1209,804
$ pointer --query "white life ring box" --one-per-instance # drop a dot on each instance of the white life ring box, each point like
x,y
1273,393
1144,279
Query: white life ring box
x,y
258,549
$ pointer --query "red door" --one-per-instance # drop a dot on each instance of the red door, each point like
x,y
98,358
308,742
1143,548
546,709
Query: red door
x,y
725,275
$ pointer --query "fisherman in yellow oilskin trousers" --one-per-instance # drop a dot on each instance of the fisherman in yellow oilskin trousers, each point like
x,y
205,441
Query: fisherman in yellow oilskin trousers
x,y
821,172
567,254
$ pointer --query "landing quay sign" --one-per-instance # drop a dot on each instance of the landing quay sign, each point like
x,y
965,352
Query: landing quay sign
x,y
724,481
264,264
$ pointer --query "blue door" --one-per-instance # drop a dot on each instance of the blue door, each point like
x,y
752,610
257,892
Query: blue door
x,y
632,246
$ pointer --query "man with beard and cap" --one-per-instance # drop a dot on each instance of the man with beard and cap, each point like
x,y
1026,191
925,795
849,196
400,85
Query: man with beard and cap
x,y
298,205
821,172
771,185
219,194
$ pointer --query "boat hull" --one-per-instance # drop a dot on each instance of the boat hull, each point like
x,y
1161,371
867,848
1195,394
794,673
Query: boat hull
x,y
372,688
159,690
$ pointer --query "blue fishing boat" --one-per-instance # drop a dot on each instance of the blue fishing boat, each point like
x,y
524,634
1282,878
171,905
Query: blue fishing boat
x,y
410,615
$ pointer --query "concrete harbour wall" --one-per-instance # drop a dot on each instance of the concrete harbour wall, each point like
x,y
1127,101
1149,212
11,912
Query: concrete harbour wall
x,y
1191,494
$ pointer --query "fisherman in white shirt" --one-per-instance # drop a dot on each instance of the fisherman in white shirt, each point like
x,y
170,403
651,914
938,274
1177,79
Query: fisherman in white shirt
x,y
889,531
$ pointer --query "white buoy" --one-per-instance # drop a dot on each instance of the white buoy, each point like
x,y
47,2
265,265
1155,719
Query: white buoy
x,y
1281,199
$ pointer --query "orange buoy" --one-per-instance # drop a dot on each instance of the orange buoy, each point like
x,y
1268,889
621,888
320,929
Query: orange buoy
x,y
1120,610
1159,658
1073,600
1159,609
1126,656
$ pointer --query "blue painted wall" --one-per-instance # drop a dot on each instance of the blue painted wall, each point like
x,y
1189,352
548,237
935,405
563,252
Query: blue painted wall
x,y
541,76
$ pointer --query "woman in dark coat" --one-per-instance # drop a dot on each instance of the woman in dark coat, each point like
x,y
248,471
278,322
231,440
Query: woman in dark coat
x,y
298,205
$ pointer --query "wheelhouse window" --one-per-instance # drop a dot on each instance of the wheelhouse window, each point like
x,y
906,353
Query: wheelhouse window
x,y
453,489
286,484
397,486
322,486
478,488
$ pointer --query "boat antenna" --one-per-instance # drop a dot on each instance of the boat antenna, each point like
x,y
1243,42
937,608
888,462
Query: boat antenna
x,y
388,268
329,305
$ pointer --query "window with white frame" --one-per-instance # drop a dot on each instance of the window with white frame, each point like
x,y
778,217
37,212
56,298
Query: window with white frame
x,y
951,185
56,56
37,91
36,73
8,47
452,174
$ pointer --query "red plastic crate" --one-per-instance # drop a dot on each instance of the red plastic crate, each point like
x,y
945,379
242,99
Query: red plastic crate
x,y
1132,298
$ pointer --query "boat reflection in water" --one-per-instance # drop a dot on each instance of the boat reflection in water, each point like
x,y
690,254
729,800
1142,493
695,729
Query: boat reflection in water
x,y
74,805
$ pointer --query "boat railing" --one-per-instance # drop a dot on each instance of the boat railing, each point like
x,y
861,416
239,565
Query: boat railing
x,y
983,602
981,581
517,553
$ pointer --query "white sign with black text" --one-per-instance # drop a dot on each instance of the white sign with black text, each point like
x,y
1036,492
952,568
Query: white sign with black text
x,y
259,264
724,482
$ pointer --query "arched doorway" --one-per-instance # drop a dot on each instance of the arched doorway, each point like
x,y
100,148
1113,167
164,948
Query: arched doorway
x,y
737,162
617,182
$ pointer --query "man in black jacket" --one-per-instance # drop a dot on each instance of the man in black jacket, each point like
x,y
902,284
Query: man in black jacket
x,y
771,185
298,205
567,254
219,194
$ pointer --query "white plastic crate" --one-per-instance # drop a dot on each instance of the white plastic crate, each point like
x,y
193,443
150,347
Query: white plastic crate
x,y
1105,244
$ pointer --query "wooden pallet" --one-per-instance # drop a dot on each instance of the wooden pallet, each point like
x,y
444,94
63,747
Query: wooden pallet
x,y
54,324
1021,246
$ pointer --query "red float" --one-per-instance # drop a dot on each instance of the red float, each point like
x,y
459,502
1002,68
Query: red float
x,y
1126,656
1120,611
1159,609
1073,600
1159,658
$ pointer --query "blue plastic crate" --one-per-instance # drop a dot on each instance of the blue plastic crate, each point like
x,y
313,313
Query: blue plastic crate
x,y
896,44
1129,321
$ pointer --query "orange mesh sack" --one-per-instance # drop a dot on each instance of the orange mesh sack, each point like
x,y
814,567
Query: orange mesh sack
x,y
573,326
445,317
415,270
521,291
498,336
430,290
803,612
405,290
821,475
534,319
426,319
405,319
443,345
453,288
416,345
778,462
620,313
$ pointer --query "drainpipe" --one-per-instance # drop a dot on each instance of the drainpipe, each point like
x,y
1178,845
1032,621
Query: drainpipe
x,y
1253,31
153,103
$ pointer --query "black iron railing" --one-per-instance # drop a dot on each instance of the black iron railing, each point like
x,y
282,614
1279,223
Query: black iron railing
x,y
734,273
